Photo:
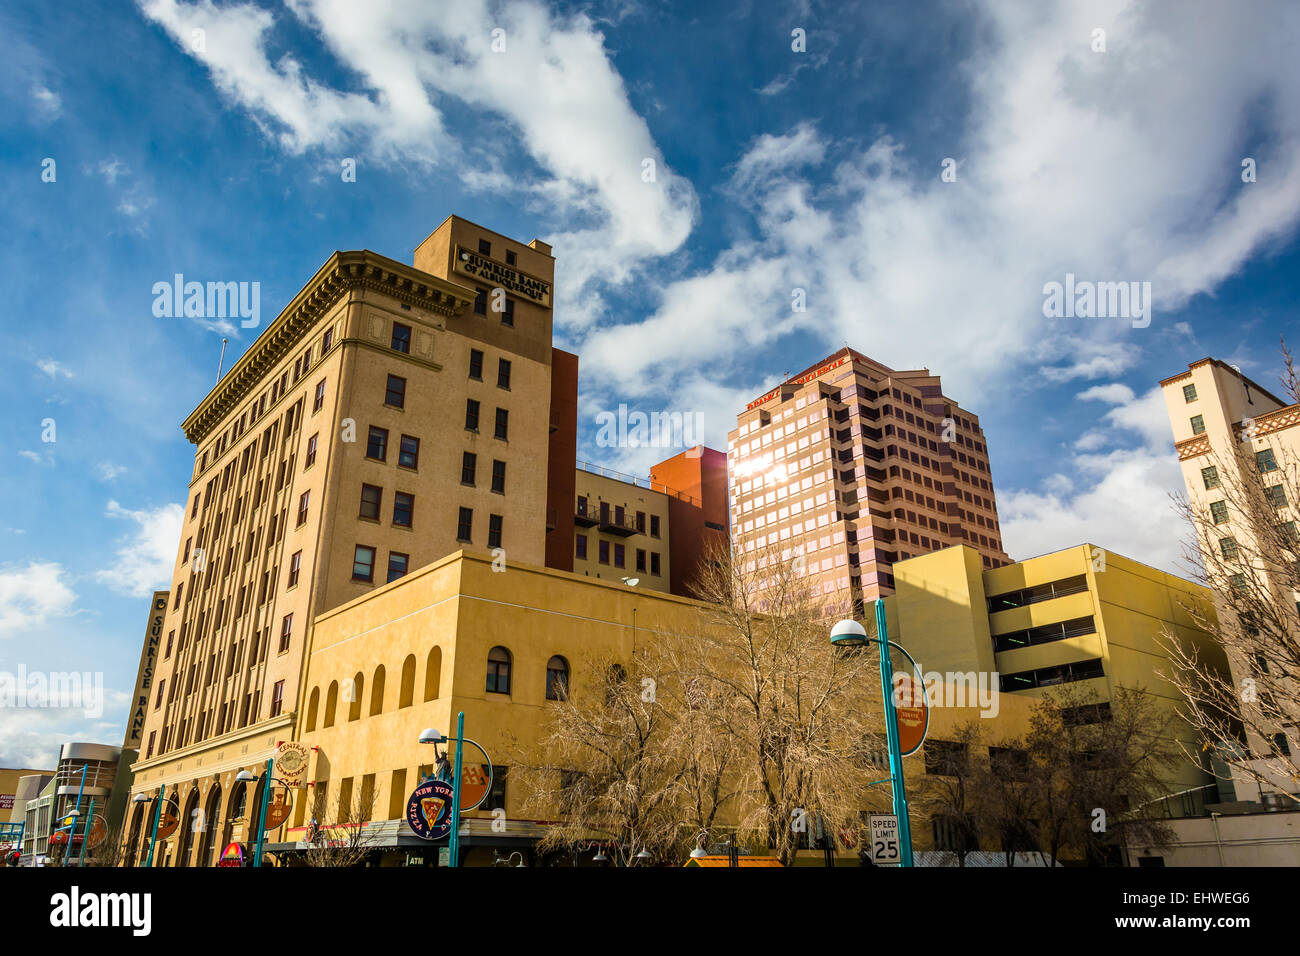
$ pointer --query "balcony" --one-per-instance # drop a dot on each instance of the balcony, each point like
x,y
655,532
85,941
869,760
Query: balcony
x,y
552,516
612,524
584,518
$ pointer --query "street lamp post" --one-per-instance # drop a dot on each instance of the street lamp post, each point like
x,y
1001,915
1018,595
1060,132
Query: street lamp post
x,y
85,834
264,779
157,815
432,736
849,633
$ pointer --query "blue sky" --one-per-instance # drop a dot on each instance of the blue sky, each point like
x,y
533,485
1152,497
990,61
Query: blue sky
x,y
218,155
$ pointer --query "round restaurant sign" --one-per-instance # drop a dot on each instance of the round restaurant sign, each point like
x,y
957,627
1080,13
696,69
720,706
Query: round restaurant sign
x,y
277,811
428,811
291,759
912,711
167,824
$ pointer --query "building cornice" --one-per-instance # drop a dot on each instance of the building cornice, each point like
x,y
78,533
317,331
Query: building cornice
x,y
1277,420
1173,379
1193,447
1270,422
342,273
175,759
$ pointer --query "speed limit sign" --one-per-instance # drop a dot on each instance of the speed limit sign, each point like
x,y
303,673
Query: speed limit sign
x,y
884,839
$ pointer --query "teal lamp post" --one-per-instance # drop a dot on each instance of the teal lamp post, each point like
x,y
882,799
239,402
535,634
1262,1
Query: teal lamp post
x,y
265,779
157,815
431,736
849,633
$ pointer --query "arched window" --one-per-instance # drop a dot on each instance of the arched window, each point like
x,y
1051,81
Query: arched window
x,y
557,678
498,671
313,708
331,703
357,690
211,819
408,682
432,673
377,692
133,842
186,827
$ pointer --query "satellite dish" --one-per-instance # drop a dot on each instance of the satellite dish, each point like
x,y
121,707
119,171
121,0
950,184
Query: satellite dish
x,y
631,582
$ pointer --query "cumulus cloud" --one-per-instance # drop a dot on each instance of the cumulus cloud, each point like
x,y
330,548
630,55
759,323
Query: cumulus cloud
x,y
1115,166
33,595
1113,394
55,370
49,105
146,556
1120,500
546,79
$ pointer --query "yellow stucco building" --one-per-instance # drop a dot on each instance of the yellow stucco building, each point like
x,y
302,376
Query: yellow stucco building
x,y
1081,615
463,634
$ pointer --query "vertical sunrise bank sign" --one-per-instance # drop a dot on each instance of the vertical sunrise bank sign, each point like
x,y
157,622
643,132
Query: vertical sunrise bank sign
x,y
144,677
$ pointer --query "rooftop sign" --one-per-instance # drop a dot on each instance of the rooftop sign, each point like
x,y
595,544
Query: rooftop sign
x,y
805,377
499,275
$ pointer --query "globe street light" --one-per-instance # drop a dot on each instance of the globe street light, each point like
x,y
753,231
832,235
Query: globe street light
x,y
849,633
431,735
265,777
157,815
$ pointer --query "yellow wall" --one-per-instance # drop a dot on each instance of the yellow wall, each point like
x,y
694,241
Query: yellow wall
x,y
463,608
940,614
601,488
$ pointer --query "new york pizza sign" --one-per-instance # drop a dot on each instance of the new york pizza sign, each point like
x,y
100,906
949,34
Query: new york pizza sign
x,y
428,810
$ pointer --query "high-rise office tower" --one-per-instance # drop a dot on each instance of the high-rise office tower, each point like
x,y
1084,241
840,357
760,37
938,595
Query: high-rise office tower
x,y
850,466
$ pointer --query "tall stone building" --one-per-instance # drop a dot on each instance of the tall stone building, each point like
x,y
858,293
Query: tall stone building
x,y
389,417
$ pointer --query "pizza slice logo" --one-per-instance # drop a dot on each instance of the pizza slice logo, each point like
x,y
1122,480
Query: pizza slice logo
x,y
432,808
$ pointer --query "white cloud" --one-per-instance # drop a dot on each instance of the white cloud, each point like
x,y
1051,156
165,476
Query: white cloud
x,y
33,595
54,369
1124,504
107,471
1114,166
31,456
30,737
801,147
110,169
1112,394
145,558
1089,359
552,86
48,103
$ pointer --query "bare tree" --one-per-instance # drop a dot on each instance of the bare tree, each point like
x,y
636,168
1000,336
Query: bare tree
x,y
111,850
609,766
1290,378
949,794
1094,766
799,710
349,839
1005,798
1245,701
